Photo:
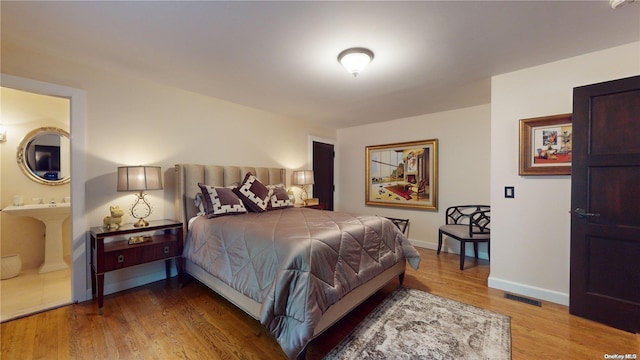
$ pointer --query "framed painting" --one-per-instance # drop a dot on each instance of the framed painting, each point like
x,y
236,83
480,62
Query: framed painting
x,y
402,175
545,145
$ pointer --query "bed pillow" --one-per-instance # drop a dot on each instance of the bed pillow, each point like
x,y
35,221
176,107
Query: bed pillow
x,y
279,197
198,201
254,194
219,201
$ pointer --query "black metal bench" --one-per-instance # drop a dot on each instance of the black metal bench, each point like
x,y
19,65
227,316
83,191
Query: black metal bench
x,y
400,223
466,223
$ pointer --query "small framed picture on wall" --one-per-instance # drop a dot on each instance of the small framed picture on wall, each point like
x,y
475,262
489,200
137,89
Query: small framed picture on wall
x,y
545,145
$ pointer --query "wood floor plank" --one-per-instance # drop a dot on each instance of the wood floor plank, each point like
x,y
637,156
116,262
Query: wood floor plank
x,y
163,321
45,336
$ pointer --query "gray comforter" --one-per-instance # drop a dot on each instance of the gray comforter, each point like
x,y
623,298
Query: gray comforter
x,y
296,262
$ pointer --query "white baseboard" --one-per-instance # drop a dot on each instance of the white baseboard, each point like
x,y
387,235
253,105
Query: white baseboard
x,y
500,284
434,246
529,291
423,244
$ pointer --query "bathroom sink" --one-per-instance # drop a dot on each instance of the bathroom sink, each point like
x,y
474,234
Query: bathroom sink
x,y
52,215
41,211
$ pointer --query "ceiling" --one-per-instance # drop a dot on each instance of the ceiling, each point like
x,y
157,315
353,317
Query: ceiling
x,y
430,56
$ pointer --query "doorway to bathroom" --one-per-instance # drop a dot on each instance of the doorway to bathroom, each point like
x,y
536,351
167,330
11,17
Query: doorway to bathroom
x,y
27,286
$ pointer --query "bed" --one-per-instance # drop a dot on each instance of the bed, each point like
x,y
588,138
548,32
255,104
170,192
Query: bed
x,y
272,264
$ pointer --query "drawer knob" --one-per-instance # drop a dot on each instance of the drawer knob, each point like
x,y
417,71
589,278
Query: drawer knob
x,y
120,258
166,249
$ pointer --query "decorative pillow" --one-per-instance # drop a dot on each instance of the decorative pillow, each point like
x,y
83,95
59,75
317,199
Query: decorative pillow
x,y
279,198
219,201
253,193
198,201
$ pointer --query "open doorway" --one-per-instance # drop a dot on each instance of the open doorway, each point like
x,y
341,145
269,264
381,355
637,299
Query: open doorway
x,y
36,249
75,241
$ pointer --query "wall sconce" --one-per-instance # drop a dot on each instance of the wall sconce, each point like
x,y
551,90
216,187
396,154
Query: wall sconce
x,y
355,59
140,178
3,134
303,178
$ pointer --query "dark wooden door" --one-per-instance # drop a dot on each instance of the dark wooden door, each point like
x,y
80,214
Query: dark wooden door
x,y
605,202
323,187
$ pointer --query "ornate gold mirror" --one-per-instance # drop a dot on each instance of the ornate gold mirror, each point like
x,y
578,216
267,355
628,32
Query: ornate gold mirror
x,y
44,155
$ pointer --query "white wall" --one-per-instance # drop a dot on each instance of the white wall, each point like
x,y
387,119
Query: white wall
x,y
463,172
530,234
132,121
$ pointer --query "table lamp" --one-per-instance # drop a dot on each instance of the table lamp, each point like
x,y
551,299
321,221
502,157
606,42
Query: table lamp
x,y
303,178
140,178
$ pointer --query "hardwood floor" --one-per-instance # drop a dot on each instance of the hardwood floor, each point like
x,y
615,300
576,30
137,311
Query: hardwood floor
x,y
161,321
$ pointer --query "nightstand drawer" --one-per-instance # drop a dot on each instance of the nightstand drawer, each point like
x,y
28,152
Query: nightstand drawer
x,y
120,254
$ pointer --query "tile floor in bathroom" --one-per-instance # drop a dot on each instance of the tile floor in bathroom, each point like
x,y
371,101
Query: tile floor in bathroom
x,y
31,292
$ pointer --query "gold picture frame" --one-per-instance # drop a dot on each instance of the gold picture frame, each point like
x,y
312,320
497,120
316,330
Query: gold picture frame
x,y
402,175
545,145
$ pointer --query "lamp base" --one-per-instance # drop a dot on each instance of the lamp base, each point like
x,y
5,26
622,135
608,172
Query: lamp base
x,y
141,223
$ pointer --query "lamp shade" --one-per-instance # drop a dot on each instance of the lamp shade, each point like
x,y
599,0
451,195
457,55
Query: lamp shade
x,y
139,178
355,59
303,177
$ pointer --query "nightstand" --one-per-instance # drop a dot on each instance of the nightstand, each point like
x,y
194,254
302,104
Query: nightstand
x,y
165,244
319,206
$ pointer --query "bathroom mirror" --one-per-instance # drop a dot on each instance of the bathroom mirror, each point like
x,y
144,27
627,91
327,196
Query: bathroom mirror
x,y
44,155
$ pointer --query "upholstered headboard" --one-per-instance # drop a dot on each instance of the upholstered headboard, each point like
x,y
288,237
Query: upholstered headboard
x,y
189,175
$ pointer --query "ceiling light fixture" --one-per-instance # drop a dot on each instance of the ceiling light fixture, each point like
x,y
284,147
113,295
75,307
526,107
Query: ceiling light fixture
x,y
616,4
355,59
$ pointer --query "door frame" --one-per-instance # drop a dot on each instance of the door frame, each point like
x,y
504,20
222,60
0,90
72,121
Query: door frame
x,y
78,244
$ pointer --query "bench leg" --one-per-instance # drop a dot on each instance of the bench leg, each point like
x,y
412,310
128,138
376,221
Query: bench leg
x,y
475,249
439,241
463,247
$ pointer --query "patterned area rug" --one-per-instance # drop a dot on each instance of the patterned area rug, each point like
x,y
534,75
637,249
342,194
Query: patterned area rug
x,y
413,324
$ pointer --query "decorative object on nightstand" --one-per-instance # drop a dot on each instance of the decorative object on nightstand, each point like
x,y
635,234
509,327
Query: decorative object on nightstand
x,y
318,206
303,178
113,221
313,201
140,178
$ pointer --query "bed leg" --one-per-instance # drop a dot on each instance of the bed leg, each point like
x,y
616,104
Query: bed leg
x,y
401,278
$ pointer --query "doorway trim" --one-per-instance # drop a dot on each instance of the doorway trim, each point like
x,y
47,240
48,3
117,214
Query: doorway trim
x,y
78,170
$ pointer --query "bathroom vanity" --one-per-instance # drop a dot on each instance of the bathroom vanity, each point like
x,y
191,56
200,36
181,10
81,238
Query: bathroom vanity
x,y
52,215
